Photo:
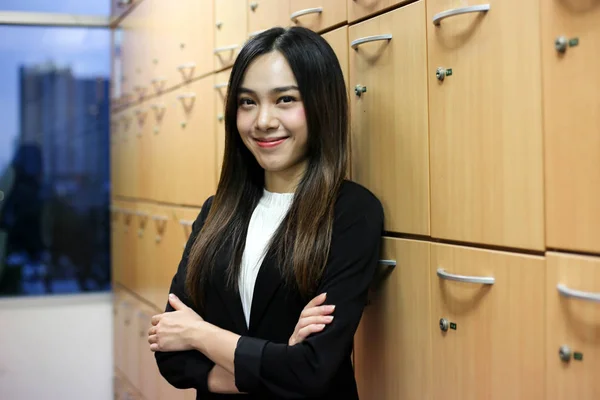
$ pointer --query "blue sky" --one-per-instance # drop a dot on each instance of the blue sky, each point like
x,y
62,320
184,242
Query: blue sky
x,y
86,51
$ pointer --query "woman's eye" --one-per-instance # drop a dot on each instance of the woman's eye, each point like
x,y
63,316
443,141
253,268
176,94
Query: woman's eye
x,y
245,102
286,99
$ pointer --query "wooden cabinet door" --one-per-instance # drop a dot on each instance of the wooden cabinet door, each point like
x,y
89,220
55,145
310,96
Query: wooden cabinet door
x,y
183,41
265,14
128,153
486,123
118,331
317,15
164,229
145,250
389,115
221,83
360,9
143,145
488,324
130,339
194,141
392,347
149,375
231,29
162,151
572,123
572,327
129,235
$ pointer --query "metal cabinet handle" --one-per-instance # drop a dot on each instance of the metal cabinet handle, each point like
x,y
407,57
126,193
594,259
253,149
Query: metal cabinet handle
x,y
186,96
159,218
486,280
577,294
186,66
387,263
225,48
437,18
186,222
367,39
220,86
316,10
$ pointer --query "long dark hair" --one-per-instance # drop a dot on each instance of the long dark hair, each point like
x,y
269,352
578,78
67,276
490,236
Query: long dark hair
x,y
302,241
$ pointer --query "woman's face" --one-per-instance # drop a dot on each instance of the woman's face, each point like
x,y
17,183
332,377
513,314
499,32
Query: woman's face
x,y
270,115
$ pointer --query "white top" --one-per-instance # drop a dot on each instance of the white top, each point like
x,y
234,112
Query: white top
x,y
266,218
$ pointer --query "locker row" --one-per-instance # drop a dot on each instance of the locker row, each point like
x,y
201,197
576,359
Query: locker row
x,y
136,373
159,46
479,137
443,321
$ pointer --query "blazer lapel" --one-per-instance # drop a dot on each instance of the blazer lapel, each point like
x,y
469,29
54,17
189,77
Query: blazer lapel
x,y
231,298
268,280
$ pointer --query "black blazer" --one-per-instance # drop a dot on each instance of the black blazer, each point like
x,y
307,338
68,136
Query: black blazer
x,y
265,366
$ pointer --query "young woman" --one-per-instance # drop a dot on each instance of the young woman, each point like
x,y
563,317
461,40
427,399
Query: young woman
x,y
284,227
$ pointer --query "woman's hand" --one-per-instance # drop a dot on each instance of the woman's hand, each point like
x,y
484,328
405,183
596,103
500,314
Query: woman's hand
x,y
175,330
313,319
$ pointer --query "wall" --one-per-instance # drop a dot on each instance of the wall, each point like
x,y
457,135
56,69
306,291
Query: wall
x,y
56,348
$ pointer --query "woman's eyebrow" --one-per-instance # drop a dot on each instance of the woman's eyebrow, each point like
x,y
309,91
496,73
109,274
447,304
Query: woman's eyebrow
x,y
280,89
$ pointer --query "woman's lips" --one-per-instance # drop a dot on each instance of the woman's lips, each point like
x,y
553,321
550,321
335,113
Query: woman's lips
x,y
270,143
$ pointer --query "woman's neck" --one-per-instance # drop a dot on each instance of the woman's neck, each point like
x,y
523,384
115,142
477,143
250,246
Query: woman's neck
x,y
284,181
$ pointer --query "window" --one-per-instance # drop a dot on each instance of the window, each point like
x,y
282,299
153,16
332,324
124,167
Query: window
x,y
54,155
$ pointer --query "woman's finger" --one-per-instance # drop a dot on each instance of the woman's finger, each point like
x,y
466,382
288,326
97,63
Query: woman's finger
x,y
320,310
152,331
152,339
317,301
319,319
308,330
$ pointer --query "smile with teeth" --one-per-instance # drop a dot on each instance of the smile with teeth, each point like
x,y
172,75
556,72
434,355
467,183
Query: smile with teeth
x,y
270,142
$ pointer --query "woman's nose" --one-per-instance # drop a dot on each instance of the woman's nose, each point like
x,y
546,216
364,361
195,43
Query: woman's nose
x,y
266,119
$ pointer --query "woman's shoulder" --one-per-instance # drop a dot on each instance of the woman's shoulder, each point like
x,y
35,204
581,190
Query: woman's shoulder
x,y
355,200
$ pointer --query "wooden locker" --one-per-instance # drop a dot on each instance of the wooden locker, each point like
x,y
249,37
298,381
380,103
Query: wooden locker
x,y
149,376
161,122
127,171
193,135
485,119
392,347
572,327
231,29
164,230
318,15
143,151
185,41
360,9
145,250
487,324
571,61
221,83
389,114
129,237
265,14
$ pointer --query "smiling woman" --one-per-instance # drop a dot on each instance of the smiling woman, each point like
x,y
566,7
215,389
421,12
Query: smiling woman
x,y
285,241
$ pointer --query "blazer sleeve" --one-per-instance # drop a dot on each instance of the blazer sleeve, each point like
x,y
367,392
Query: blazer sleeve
x,y
186,369
306,369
